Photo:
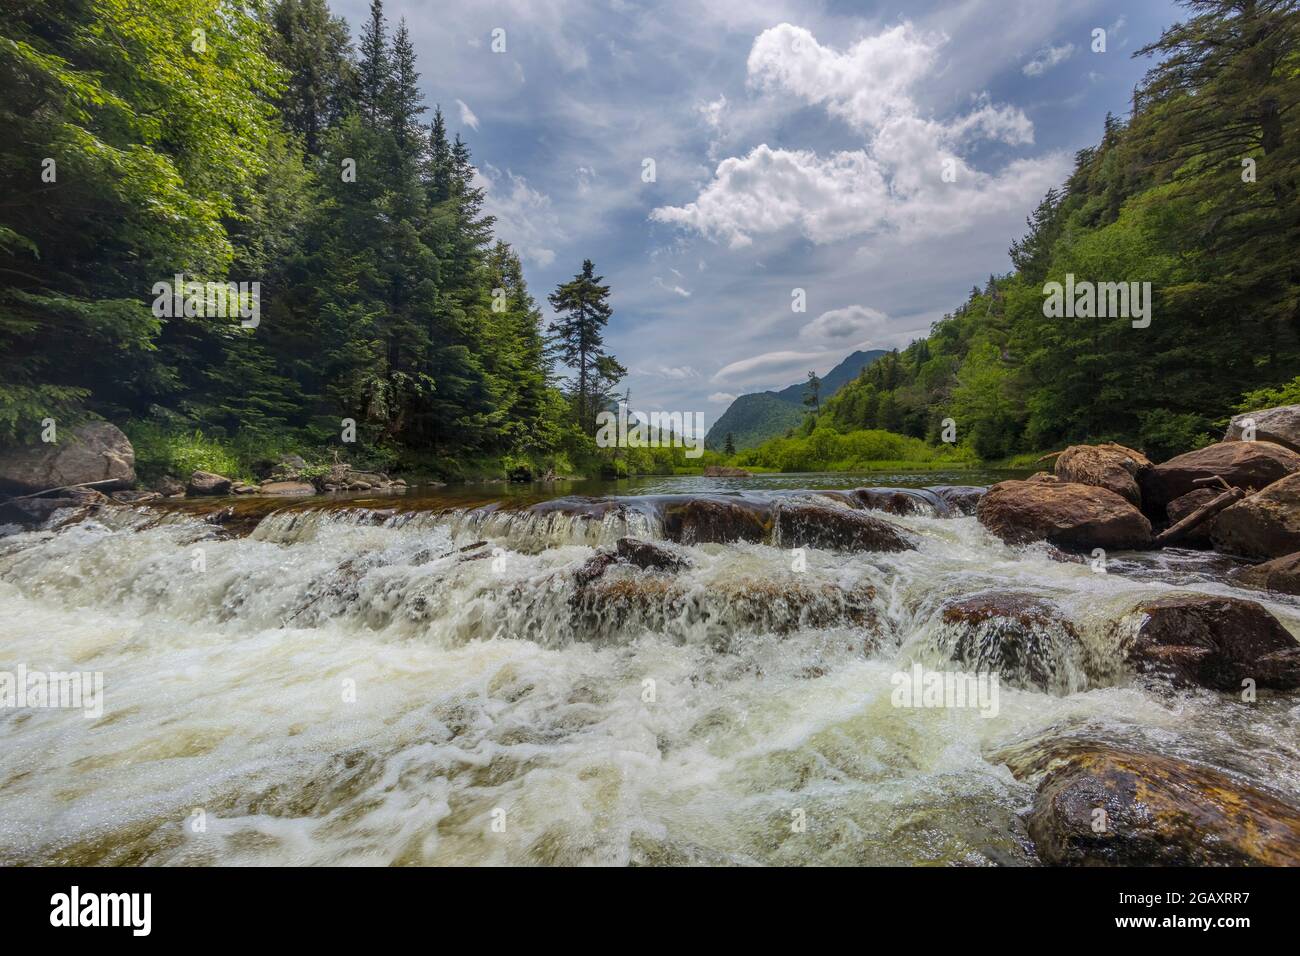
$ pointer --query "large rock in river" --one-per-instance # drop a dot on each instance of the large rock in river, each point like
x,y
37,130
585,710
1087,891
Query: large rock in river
x,y
1205,640
1024,638
1279,425
837,529
716,520
1243,464
1108,466
1180,508
1071,516
206,484
1281,574
1264,525
1111,807
93,451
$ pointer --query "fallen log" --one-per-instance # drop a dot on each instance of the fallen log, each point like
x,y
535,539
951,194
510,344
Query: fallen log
x,y
1202,514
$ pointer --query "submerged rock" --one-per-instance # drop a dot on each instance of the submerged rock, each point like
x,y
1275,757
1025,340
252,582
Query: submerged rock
x,y
837,529
716,521
1208,641
961,499
649,557
1071,516
900,501
1280,425
205,484
91,452
1108,466
1111,807
1242,464
1024,638
1281,574
1264,525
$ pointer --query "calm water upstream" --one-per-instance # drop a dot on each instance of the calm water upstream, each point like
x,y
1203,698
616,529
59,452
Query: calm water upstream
x,y
331,682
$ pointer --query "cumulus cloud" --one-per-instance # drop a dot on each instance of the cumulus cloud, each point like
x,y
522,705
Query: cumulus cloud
x,y
854,323
1048,58
910,177
525,218
467,115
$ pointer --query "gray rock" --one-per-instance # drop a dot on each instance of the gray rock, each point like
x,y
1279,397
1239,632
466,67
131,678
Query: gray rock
x,y
1279,425
204,484
94,451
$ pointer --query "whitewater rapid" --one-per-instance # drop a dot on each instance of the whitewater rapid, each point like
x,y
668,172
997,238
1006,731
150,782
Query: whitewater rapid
x,y
347,687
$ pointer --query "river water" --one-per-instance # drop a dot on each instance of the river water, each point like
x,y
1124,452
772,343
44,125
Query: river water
x,y
333,682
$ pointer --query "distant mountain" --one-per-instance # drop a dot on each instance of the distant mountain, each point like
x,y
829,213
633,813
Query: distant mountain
x,y
754,418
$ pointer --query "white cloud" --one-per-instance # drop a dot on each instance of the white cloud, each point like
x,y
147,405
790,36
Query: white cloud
x,y
896,182
467,115
1048,58
722,398
678,290
854,323
524,215
773,365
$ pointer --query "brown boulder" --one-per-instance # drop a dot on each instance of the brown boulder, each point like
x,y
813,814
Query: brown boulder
x,y
286,488
1071,516
1281,574
91,452
1181,507
960,499
649,557
1108,466
204,484
898,501
837,529
1242,464
168,487
1022,637
1279,425
715,521
725,471
1264,525
1110,807
1203,640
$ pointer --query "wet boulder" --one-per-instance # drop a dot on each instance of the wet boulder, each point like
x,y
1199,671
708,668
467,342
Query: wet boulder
x,y
837,529
1024,638
1181,507
206,484
1264,525
899,501
648,556
1104,806
1279,425
1281,575
1108,466
1242,464
92,452
168,487
716,520
1203,640
1071,516
960,499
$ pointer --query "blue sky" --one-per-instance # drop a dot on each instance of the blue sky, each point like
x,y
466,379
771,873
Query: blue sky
x,y
796,145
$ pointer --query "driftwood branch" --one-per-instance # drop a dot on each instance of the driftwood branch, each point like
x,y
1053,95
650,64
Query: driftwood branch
x,y
84,484
1202,514
1050,454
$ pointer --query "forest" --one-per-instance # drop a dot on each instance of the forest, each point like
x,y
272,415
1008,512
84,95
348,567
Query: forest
x,y
1195,193
250,142
258,143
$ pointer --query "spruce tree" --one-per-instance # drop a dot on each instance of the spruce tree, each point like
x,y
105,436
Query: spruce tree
x,y
584,310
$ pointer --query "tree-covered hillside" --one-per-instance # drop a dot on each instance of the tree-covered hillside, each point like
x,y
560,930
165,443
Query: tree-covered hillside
x,y
1196,193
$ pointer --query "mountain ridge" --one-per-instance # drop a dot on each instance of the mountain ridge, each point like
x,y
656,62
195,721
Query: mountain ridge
x,y
755,417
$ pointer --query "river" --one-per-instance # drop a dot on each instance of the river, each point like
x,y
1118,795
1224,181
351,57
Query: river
x,y
334,682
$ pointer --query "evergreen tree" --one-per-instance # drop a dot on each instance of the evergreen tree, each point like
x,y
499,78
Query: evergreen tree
x,y
583,306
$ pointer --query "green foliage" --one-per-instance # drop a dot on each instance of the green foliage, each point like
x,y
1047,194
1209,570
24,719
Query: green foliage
x,y
1287,393
826,449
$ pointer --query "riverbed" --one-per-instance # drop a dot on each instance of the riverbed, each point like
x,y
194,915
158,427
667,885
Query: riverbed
x,y
404,680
